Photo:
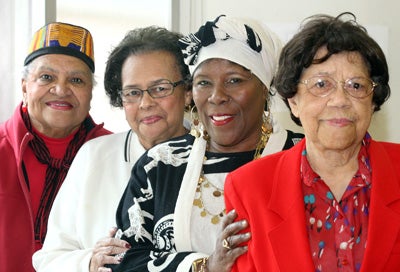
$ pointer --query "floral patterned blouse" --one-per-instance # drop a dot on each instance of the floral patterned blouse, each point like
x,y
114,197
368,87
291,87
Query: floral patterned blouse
x,y
338,229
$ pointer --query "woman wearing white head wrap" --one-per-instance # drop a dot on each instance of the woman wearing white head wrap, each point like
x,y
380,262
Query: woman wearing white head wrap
x,y
255,48
172,211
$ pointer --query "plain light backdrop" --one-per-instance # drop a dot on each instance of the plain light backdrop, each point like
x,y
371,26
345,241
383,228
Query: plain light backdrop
x,y
108,21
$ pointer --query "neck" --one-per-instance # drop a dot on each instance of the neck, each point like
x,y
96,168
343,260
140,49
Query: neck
x,y
148,143
335,167
246,145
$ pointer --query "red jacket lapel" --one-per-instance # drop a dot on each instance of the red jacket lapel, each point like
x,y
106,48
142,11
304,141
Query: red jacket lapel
x,y
384,226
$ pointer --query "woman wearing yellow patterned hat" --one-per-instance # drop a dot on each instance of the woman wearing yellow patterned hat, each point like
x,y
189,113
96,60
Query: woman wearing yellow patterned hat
x,y
40,140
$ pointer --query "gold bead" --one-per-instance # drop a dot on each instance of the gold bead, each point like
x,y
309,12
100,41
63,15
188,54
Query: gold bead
x,y
217,193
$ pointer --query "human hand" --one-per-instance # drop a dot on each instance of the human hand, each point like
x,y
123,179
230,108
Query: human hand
x,y
228,247
106,251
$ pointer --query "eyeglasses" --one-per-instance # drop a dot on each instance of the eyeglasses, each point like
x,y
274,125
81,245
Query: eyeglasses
x,y
159,90
322,86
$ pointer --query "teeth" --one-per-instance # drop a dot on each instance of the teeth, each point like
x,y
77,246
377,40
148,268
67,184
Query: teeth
x,y
60,104
220,118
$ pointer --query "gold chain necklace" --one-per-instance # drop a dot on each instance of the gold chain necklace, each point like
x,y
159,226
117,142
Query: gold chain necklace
x,y
203,182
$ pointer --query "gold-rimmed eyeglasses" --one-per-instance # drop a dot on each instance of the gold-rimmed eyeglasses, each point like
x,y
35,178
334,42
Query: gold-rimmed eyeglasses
x,y
159,90
322,86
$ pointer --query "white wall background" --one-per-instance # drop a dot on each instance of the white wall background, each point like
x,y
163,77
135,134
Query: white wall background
x,y
110,20
380,17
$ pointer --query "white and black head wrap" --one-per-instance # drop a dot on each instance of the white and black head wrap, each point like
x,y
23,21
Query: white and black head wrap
x,y
241,41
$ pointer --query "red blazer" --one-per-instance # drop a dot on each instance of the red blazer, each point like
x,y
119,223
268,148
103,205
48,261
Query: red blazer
x,y
267,192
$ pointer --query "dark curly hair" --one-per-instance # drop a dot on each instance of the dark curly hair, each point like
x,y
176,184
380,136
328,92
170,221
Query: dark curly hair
x,y
337,34
139,41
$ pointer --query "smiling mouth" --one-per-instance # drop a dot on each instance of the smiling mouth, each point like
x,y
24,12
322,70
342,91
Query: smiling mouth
x,y
150,119
221,117
339,121
221,120
59,105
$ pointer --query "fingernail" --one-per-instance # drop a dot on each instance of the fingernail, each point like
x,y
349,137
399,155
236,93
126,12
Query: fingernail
x,y
232,212
127,245
244,223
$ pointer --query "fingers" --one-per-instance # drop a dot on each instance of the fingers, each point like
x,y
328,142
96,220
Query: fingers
x,y
229,218
112,242
107,251
230,243
233,236
231,227
98,261
104,269
237,240
112,232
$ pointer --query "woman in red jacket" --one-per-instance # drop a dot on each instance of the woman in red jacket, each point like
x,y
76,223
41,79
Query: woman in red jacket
x,y
332,202
39,142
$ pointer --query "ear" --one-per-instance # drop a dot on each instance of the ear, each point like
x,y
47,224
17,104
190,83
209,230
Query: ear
x,y
293,104
23,88
188,96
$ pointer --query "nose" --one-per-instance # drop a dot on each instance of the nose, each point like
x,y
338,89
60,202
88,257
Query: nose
x,y
61,89
219,94
146,101
339,97
341,88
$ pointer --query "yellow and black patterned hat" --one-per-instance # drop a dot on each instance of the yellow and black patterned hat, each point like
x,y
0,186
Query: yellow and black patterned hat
x,y
62,38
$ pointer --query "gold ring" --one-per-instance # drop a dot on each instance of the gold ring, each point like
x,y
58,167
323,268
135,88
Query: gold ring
x,y
225,244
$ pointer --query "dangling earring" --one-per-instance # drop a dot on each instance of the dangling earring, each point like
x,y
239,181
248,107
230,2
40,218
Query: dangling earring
x,y
188,108
24,107
266,126
266,131
194,125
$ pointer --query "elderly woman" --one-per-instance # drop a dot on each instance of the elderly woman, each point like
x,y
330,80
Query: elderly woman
x,y
38,143
336,194
173,208
147,76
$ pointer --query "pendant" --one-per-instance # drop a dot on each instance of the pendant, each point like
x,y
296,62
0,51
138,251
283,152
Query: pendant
x,y
215,219
197,202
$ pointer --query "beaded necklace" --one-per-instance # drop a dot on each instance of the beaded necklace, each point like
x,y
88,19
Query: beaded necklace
x,y
203,182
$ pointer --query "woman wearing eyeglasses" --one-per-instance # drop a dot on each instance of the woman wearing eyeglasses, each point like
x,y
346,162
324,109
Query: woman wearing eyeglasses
x,y
332,202
173,210
147,76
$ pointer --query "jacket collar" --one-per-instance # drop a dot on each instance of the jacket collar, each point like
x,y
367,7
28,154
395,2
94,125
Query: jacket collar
x,y
289,238
384,219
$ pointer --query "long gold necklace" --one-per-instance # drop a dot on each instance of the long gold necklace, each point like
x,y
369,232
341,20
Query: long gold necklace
x,y
203,182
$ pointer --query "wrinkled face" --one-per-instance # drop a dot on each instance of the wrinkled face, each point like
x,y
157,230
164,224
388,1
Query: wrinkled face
x,y
230,101
57,92
337,121
154,120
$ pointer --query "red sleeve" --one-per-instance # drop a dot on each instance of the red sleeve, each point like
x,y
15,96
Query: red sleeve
x,y
233,201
